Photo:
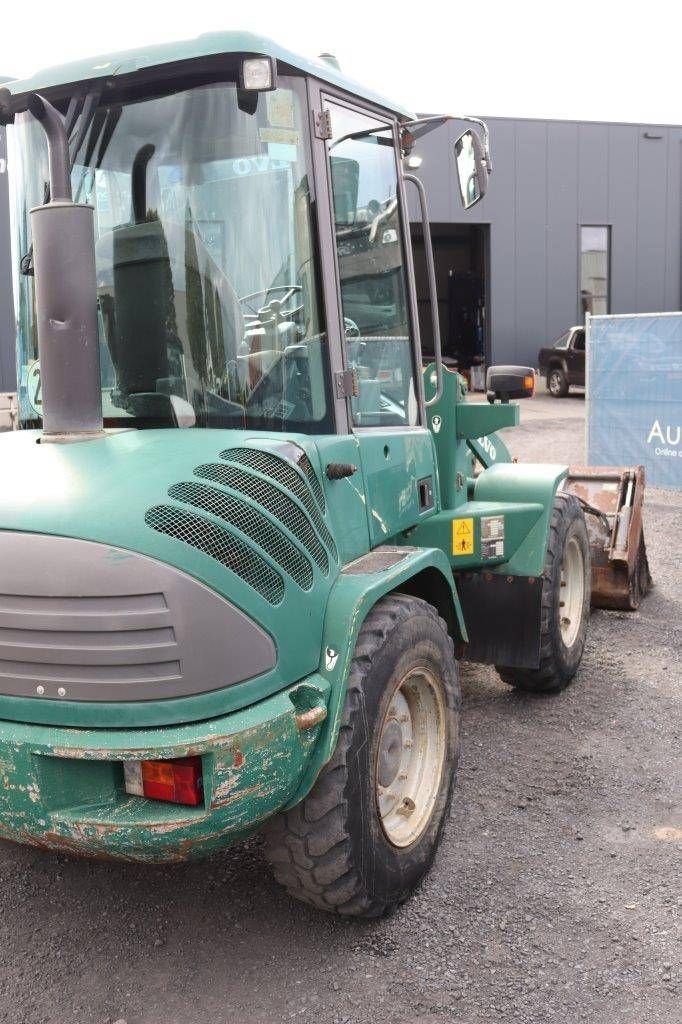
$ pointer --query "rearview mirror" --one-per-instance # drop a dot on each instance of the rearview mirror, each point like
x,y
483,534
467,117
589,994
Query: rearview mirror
x,y
505,382
472,170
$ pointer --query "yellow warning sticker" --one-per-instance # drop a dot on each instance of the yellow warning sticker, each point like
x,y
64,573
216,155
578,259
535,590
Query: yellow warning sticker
x,y
463,536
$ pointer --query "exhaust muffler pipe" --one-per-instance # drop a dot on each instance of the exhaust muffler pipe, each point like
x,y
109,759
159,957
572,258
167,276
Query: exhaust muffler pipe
x,y
65,296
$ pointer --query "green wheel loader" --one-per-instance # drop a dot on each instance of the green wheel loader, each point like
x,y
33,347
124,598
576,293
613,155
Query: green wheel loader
x,y
243,537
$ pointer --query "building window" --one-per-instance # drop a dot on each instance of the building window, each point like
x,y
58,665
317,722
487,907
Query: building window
x,y
595,270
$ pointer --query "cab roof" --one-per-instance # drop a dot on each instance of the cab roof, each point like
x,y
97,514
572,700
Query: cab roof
x,y
209,45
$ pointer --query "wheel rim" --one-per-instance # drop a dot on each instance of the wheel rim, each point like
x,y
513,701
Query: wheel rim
x,y
410,757
572,591
555,383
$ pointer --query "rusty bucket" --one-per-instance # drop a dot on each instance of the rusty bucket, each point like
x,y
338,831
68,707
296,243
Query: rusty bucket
x,y
612,499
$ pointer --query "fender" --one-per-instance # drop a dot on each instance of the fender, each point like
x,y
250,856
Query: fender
x,y
517,483
509,595
356,591
557,363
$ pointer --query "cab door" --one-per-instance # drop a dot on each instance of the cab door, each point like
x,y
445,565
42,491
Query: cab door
x,y
576,358
381,371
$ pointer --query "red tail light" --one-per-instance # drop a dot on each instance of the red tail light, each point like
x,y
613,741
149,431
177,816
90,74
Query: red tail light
x,y
177,781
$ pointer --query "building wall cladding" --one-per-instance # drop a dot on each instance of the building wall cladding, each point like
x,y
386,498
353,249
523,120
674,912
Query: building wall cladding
x,y
550,177
7,373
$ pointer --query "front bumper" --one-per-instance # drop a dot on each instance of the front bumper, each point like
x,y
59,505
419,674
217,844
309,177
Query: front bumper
x,y
62,789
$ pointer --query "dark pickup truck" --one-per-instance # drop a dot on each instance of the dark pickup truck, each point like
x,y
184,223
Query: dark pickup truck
x,y
563,363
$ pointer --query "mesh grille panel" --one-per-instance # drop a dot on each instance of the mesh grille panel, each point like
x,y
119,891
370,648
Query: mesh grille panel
x,y
251,522
313,480
275,501
285,474
216,542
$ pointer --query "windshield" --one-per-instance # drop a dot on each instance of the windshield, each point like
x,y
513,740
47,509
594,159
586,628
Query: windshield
x,y
562,341
207,290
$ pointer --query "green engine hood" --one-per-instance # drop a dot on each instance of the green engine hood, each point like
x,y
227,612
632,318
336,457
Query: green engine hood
x,y
243,513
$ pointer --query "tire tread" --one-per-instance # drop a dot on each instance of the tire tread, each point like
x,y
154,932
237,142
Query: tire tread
x,y
543,679
308,847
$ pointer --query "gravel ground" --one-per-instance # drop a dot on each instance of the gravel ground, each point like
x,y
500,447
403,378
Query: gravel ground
x,y
553,897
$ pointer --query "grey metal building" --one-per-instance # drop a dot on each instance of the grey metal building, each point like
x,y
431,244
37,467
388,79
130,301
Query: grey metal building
x,y
7,373
578,216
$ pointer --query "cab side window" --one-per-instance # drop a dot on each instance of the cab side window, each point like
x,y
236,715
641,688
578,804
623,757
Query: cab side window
x,y
371,266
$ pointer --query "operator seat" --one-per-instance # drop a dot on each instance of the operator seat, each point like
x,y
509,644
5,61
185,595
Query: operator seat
x,y
156,275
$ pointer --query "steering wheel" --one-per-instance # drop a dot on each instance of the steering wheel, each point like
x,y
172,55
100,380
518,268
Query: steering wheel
x,y
274,309
351,329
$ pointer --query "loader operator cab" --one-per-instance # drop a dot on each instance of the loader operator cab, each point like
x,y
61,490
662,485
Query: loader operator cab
x,y
209,282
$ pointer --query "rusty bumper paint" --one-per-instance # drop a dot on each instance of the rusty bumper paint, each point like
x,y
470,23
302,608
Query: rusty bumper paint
x,y
62,789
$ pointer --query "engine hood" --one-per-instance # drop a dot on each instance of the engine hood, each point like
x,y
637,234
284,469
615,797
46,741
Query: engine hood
x,y
243,514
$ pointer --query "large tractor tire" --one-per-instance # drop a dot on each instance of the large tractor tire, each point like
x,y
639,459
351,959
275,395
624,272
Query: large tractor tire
x,y
565,603
366,834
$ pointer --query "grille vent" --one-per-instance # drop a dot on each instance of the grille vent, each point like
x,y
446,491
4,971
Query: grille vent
x,y
277,503
283,472
121,640
251,522
313,480
216,542
287,476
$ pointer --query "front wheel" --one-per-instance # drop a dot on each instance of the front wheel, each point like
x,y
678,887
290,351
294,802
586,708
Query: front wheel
x,y
565,603
557,385
366,834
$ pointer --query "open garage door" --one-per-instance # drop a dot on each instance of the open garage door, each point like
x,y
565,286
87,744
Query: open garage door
x,y
460,255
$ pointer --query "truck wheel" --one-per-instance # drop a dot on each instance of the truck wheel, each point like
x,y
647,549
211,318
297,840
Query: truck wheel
x,y
565,603
557,385
366,834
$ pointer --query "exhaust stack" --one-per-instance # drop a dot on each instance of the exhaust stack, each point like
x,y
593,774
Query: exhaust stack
x,y
65,296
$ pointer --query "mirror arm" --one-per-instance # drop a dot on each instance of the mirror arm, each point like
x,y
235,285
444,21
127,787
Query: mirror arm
x,y
423,125
433,291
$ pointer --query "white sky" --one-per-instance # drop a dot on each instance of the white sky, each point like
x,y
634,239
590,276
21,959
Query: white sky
x,y
598,60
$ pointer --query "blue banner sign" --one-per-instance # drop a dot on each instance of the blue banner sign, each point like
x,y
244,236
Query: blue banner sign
x,y
634,394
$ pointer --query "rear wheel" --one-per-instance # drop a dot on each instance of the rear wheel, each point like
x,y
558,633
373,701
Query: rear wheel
x,y
366,834
557,385
565,603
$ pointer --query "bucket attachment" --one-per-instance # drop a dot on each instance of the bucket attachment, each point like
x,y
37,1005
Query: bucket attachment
x,y
612,499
